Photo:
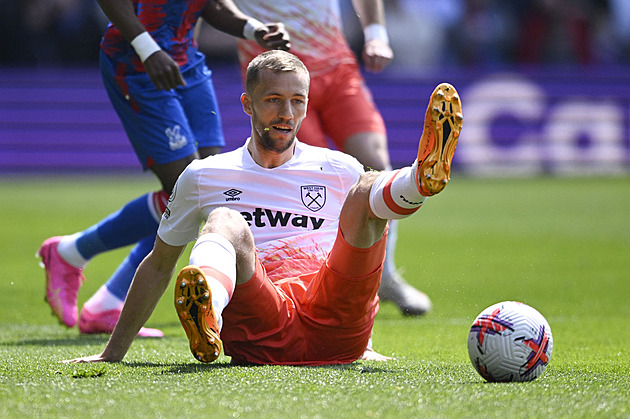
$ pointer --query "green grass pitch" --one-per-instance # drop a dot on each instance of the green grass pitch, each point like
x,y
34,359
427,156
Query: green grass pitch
x,y
559,245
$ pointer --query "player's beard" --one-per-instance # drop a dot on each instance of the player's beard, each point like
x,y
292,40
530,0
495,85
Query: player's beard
x,y
277,146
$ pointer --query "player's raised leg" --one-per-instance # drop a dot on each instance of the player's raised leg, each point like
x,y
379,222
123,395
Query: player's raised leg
x,y
400,193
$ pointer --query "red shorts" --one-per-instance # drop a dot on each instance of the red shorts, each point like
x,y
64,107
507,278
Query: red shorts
x,y
325,317
340,105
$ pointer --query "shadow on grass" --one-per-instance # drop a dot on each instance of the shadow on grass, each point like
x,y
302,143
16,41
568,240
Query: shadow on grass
x,y
77,340
193,368
362,367
101,339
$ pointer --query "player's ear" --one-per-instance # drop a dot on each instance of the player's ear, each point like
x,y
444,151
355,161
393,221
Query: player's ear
x,y
246,102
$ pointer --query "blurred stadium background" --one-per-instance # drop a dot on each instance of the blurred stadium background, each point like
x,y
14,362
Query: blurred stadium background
x,y
545,85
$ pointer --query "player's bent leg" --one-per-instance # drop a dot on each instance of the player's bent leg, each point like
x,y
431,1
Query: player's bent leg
x,y
193,302
371,150
400,193
62,282
442,125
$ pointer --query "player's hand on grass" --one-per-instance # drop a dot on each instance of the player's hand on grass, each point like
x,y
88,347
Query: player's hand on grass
x,y
273,36
91,358
377,55
163,71
372,355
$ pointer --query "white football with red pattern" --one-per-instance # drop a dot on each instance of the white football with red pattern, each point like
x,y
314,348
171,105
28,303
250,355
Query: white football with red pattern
x,y
510,341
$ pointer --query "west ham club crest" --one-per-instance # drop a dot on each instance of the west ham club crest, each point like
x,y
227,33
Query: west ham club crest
x,y
314,197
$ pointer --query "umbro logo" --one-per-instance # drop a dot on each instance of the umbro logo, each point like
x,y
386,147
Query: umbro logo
x,y
232,195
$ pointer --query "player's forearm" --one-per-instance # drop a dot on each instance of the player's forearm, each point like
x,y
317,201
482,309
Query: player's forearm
x,y
225,16
149,283
369,12
377,54
122,14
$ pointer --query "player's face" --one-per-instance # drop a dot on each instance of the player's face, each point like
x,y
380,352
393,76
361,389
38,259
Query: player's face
x,y
277,107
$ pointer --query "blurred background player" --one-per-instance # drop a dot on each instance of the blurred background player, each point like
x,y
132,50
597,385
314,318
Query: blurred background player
x,y
162,90
340,105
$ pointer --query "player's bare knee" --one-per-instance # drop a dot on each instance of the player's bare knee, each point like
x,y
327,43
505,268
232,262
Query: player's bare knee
x,y
225,221
230,224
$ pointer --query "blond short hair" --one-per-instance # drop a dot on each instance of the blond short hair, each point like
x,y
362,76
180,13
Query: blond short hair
x,y
276,61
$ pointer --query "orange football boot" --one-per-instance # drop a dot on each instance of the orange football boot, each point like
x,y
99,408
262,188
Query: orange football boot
x,y
442,125
193,302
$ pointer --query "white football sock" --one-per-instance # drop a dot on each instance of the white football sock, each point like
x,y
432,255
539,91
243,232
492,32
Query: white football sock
x,y
216,252
394,195
103,300
67,249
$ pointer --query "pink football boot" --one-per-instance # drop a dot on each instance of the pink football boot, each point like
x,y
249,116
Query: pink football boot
x,y
62,282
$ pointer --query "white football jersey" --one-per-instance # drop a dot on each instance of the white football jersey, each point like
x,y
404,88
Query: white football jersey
x,y
315,28
292,210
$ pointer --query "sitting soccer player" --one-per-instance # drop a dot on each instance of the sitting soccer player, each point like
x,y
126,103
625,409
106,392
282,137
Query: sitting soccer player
x,y
287,265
